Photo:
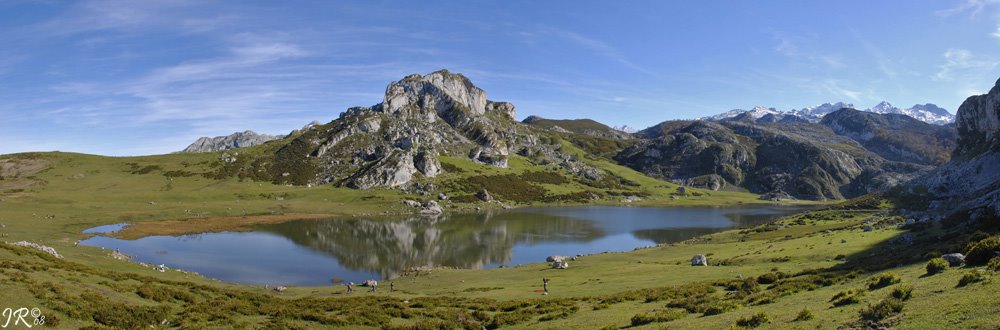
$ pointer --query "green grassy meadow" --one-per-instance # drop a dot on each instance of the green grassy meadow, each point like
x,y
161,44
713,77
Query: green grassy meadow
x,y
789,270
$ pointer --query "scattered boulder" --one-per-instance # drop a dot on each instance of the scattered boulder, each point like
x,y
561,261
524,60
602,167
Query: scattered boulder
x,y
562,264
43,248
427,164
868,228
954,259
699,260
431,207
484,195
279,289
442,196
411,203
555,258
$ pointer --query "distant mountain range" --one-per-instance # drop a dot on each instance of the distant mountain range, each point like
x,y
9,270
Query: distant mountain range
x,y
825,152
928,113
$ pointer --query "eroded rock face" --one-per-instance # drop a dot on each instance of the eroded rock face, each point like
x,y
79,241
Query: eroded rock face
x,y
504,108
420,119
393,170
427,163
979,124
970,182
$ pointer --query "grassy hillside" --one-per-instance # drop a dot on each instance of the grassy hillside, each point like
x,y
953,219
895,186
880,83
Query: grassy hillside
x,y
801,262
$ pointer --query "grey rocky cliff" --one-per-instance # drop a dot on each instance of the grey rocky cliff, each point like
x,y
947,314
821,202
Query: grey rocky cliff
x,y
970,182
235,140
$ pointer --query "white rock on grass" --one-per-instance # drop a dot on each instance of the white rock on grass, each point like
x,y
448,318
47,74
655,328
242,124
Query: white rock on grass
x,y
43,248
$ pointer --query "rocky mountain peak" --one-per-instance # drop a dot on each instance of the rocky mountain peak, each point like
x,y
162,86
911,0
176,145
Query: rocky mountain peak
x,y
438,92
931,108
884,107
979,123
243,139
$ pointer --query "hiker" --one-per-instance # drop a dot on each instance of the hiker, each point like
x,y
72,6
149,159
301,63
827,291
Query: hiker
x,y
545,285
350,287
374,284
392,286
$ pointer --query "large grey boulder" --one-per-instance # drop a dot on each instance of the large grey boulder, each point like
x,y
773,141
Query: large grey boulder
x,y
484,195
427,163
562,264
699,260
394,170
431,207
555,258
954,259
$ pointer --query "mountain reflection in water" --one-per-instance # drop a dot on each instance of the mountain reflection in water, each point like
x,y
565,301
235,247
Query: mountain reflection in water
x,y
311,252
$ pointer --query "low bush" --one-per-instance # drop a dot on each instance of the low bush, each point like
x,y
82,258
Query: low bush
x,y
994,265
805,315
902,292
656,316
753,321
970,277
936,265
883,280
982,251
847,297
882,310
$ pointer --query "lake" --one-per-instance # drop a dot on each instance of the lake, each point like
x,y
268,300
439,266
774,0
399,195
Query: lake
x,y
312,252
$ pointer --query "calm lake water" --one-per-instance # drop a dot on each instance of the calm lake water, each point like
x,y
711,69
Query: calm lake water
x,y
312,252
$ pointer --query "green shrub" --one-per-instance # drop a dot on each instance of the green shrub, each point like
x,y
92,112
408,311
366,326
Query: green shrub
x,y
982,251
753,321
805,315
656,316
769,278
970,277
902,292
847,297
994,265
936,265
882,310
451,168
883,280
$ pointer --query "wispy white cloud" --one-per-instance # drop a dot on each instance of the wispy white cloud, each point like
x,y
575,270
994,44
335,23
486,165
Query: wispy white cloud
x,y
973,8
788,45
594,45
961,63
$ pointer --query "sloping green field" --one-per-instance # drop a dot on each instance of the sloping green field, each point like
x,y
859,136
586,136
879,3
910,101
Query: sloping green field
x,y
799,263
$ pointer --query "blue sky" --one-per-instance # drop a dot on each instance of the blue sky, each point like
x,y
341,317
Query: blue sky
x,y
147,77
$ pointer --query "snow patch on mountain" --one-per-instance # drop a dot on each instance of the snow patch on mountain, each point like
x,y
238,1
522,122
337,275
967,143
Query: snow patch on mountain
x,y
928,113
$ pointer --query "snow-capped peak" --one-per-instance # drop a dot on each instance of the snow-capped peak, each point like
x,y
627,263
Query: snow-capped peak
x,y
928,113
624,128
884,107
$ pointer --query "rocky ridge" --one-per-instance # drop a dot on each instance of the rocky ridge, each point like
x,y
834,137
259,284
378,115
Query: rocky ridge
x,y
799,159
236,140
970,182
